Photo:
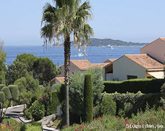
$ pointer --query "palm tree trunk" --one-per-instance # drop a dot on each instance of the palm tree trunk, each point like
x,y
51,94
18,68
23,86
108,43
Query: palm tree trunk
x,y
66,75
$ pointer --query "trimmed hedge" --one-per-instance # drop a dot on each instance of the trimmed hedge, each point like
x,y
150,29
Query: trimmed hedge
x,y
130,103
14,92
2,97
1,86
7,92
133,86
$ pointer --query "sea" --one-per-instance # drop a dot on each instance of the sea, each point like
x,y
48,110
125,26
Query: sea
x,y
56,54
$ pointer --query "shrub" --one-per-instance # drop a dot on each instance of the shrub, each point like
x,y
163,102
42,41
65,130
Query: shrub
x,y
37,110
88,99
23,127
7,92
1,86
14,92
130,103
163,88
133,86
54,103
76,93
108,105
2,97
27,114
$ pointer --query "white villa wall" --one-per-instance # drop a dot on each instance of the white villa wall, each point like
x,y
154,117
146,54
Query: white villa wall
x,y
123,67
156,49
109,76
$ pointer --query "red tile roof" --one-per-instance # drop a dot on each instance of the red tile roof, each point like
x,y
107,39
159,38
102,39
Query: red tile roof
x,y
85,64
145,61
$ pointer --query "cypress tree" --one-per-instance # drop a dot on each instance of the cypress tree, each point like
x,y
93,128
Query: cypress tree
x,y
88,99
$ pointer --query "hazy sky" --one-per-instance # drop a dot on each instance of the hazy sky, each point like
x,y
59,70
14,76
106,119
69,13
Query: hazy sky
x,y
129,20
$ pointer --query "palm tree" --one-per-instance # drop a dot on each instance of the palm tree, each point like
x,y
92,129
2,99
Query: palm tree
x,y
63,20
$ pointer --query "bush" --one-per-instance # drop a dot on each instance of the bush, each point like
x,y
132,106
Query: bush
x,y
128,104
23,127
2,97
1,86
133,86
14,92
108,105
163,88
7,92
54,103
37,110
27,114
76,93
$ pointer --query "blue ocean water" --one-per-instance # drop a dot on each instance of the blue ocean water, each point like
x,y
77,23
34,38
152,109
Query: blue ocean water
x,y
56,54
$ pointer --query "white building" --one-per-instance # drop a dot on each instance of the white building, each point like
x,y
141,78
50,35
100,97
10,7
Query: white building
x,y
137,66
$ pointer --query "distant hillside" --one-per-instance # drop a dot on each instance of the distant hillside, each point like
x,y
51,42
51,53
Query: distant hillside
x,y
111,42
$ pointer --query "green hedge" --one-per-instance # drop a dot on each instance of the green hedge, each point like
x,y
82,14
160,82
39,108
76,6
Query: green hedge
x,y
133,86
1,86
2,97
130,103
7,92
14,92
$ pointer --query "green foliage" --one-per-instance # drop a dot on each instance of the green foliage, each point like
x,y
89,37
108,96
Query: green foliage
x,y
14,125
108,105
113,123
7,92
27,114
2,67
54,103
16,71
162,88
21,83
77,88
27,83
1,86
33,127
133,86
14,92
88,99
44,70
23,127
2,97
37,110
45,99
128,104
25,98
28,60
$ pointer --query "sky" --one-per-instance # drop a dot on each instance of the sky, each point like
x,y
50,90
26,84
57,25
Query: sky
x,y
128,20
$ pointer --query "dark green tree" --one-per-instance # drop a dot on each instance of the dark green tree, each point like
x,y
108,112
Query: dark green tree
x,y
21,66
44,70
2,64
88,99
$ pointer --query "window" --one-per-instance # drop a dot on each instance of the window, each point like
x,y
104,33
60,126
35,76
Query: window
x,y
131,77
